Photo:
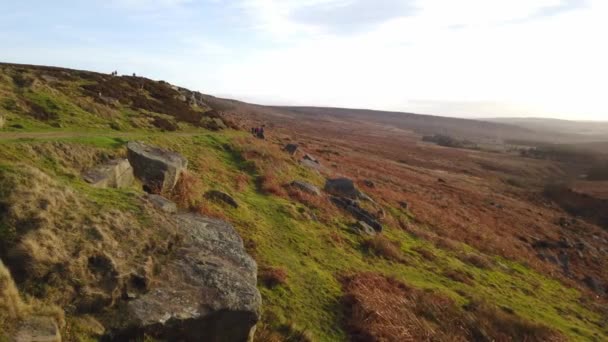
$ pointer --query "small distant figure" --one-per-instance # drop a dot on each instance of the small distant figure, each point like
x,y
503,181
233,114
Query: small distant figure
x,y
260,133
134,75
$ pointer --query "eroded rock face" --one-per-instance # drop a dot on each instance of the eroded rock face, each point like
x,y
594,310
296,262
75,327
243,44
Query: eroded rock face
x,y
306,187
157,168
114,174
207,292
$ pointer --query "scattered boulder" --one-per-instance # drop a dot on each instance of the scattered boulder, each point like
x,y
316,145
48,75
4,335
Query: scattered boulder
x,y
359,213
441,180
363,228
162,203
306,187
206,292
310,164
311,158
368,183
157,168
38,329
291,149
217,195
404,205
594,285
342,187
114,174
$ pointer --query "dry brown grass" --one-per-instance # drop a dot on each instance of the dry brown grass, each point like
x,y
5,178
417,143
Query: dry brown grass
x,y
209,210
241,181
272,276
187,192
383,309
11,306
270,184
384,247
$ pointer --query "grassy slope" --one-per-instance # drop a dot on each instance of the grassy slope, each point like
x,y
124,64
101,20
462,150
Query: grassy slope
x,y
279,233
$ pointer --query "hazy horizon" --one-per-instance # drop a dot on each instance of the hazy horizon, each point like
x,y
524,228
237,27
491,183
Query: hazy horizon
x,y
472,59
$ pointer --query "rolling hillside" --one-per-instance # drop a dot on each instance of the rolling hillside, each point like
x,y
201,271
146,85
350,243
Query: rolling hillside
x,y
359,231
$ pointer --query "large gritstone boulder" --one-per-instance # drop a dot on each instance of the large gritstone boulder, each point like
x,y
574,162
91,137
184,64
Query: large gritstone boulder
x,y
114,174
206,292
157,168
342,187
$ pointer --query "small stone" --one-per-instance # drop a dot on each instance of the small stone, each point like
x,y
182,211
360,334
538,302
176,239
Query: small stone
x,y
306,187
217,195
291,149
162,203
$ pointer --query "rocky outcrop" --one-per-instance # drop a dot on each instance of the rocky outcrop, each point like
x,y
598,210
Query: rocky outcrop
x,y
38,329
359,213
114,174
291,149
162,203
342,187
217,195
306,187
206,292
157,168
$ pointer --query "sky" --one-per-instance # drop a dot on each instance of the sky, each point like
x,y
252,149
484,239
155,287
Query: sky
x,y
466,58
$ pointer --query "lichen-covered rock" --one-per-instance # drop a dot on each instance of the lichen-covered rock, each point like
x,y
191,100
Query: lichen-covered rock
x,y
157,168
206,292
114,174
306,187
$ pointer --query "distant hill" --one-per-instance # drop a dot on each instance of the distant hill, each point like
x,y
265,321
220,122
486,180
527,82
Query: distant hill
x,y
493,130
592,129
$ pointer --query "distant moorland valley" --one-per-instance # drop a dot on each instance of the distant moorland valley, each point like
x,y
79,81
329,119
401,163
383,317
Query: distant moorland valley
x,y
135,209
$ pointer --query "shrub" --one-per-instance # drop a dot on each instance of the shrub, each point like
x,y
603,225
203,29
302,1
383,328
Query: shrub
x,y
272,276
187,191
384,247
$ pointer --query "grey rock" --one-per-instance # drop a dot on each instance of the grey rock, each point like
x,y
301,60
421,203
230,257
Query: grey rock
x,y
363,228
206,291
291,149
311,158
114,174
342,187
38,329
217,195
356,211
306,187
310,164
157,168
162,203
368,183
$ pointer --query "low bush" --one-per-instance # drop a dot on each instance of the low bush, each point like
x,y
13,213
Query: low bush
x,y
383,247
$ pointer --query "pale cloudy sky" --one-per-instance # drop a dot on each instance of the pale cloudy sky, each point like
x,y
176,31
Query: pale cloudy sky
x,y
470,58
